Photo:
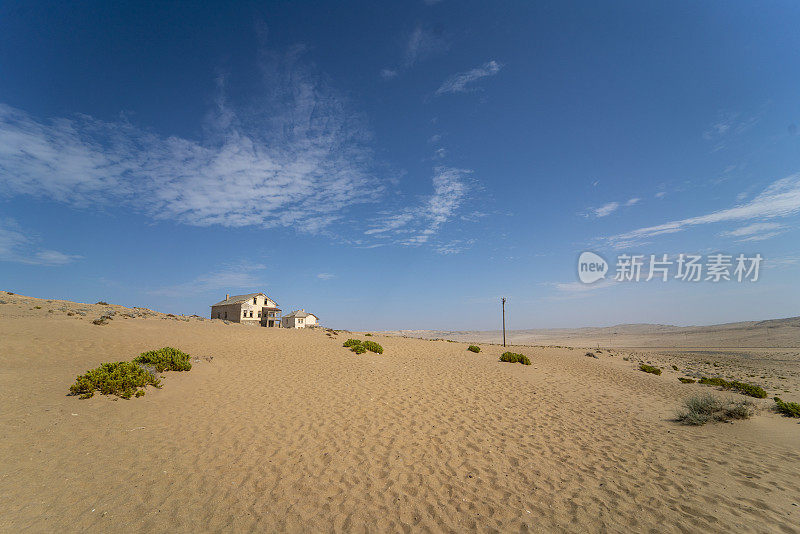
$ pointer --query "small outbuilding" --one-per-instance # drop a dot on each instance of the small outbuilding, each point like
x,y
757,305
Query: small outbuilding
x,y
299,319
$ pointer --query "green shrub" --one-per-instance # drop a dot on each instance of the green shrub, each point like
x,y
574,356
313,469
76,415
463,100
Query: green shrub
x,y
674,367
740,387
117,378
372,347
368,335
165,359
686,380
513,357
701,409
359,349
351,343
102,303
789,409
37,307
474,348
649,369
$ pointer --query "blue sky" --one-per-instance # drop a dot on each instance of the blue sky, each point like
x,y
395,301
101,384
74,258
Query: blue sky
x,y
401,165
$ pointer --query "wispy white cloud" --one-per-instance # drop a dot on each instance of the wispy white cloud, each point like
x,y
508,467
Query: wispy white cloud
x,y
756,231
728,124
606,209
300,161
326,276
456,246
16,246
574,290
229,279
416,225
610,207
459,83
423,43
780,199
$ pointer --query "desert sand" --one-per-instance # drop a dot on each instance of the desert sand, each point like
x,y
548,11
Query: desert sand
x,y
286,430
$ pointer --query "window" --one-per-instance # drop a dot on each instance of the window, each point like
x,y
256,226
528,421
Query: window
x,y
244,314
226,315
259,315
255,300
251,314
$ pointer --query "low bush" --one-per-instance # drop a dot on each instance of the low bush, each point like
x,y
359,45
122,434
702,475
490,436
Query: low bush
x,y
118,378
701,409
102,303
372,347
789,409
591,355
474,348
358,349
368,335
165,359
351,343
37,307
100,322
649,369
674,367
513,357
740,387
686,380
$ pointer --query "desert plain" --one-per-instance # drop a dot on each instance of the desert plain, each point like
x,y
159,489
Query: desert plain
x,y
286,430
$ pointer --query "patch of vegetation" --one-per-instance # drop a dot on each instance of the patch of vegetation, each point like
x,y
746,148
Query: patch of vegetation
x,y
118,378
351,343
368,335
359,349
701,409
513,357
37,307
165,359
789,409
372,347
740,387
100,322
686,380
474,348
102,303
591,355
674,367
653,370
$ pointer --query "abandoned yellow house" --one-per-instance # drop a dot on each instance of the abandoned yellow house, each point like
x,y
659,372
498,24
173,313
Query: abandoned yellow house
x,y
253,309
300,319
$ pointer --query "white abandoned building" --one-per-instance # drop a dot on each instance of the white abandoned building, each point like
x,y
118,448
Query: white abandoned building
x,y
299,319
253,308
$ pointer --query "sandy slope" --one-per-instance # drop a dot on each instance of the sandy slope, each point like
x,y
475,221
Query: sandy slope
x,y
286,430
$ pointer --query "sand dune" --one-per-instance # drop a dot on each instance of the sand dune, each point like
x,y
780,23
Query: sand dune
x,y
775,333
283,430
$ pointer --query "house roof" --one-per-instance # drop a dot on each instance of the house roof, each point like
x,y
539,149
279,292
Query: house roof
x,y
238,299
299,314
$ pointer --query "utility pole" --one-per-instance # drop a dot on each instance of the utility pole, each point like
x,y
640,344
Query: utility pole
x,y
503,303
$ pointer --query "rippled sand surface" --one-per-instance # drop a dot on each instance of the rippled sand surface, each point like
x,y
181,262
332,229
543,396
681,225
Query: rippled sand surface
x,y
282,430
